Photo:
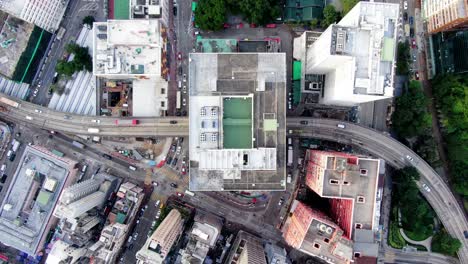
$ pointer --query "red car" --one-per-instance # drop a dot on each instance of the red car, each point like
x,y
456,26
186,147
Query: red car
x,y
413,43
416,75
226,25
253,25
271,25
180,194
179,56
184,170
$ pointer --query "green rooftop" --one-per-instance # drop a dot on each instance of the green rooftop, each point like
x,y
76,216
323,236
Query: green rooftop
x,y
121,9
237,123
388,53
43,197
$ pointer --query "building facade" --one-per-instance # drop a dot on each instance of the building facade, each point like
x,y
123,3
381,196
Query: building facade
x,y
445,15
246,249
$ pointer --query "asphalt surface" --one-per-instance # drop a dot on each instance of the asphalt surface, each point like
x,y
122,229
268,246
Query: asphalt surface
x,y
440,197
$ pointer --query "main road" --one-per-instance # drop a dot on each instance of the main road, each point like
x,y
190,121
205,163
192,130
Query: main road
x,y
376,143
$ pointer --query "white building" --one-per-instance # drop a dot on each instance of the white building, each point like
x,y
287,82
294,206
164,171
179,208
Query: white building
x,y
46,14
150,9
353,61
110,243
62,252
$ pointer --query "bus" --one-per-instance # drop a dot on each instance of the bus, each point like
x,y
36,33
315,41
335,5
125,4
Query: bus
x,y
178,100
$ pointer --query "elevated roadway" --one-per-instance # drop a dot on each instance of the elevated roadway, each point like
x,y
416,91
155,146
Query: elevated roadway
x,y
440,197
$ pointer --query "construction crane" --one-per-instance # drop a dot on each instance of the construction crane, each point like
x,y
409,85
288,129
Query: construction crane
x,y
117,107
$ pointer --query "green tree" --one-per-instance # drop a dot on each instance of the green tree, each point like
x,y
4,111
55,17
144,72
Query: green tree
x,y
426,148
348,5
210,14
65,68
411,117
88,20
259,11
403,58
443,243
330,16
314,23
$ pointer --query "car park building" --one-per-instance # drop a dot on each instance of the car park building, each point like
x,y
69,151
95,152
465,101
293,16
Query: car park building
x,y
26,213
237,121
352,61
44,14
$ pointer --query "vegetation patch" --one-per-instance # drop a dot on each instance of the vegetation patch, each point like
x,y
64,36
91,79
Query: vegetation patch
x,y
443,243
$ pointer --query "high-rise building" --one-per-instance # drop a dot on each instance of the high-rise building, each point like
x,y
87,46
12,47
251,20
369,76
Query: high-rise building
x,y
62,252
46,14
353,61
445,15
315,234
246,249
79,190
275,254
110,243
156,248
448,52
350,183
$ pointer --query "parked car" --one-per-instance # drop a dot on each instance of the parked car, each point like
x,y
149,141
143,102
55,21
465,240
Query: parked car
x,y
179,56
109,157
405,16
157,203
180,194
173,185
174,161
281,201
416,75
38,111
168,160
304,122
3,179
411,20
173,122
413,43
465,233
405,5
184,170
271,25
184,102
155,183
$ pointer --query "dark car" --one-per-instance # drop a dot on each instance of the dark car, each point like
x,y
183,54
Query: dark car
x,y
12,157
3,179
405,16
303,122
175,10
174,162
169,160
465,233
173,185
180,70
173,122
1,187
109,157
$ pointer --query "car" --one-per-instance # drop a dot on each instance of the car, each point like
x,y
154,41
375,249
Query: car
x,y
173,147
55,79
38,111
405,16
67,117
465,233
1,188
426,187
197,32
411,20
138,221
96,121
416,75
184,160
157,203
304,122
271,25
109,157
173,122
153,223
413,43
155,183
174,10
12,157
3,167
179,148
180,194
3,179
173,185
281,201
135,236
405,5
184,170
179,70
185,77
409,158
184,89
184,102
226,25
341,126
174,161
179,56
168,160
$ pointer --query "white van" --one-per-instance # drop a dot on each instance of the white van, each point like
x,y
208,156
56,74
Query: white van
x,y
29,118
132,168
3,167
180,84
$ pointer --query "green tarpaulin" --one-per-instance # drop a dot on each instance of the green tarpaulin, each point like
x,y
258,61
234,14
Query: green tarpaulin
x,y
297,67
194,6
297,92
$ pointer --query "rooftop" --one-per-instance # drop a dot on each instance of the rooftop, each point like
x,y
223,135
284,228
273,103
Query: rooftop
x,y
149,9
236,106
127,48
28,204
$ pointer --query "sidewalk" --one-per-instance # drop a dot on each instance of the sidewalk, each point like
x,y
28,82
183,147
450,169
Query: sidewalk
x,y
426,243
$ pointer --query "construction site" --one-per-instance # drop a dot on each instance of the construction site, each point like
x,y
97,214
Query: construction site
x,y
116,99
14,37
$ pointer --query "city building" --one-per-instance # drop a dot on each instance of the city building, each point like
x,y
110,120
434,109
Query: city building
x,y
353,61
115,233
350,182
63,252
150,9
134,50
303,10
448,52
444,15
315,234
246,249
156,248
237,121
202,237
26,211
275,254
44,14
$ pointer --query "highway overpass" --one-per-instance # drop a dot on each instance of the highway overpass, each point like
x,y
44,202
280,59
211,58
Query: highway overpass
x,y
376,143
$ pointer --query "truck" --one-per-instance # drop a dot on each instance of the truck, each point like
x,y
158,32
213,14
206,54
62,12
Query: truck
x,y
93,130
178,100
9,102
78,144
407,30
57,153
16,145
126,122
290,155
60,33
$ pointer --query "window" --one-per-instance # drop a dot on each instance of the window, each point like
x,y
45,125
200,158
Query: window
x,y
361,199
326,240
363,172
357,254
346,183
316,245
163,91
358,226
334,182
163,104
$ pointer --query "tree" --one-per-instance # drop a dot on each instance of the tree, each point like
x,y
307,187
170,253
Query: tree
x,y
411,117
330,16
210,14
65,68
445,244
259,11
425,147
314,23
403,58
88,20
348,5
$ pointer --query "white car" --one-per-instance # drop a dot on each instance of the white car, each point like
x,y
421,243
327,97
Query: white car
x,y
184,102
426,187
96,121
405,5
38,111
184,89
157,203
409,157
185,77
341,126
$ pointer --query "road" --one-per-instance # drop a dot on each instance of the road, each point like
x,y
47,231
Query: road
x,y
441,198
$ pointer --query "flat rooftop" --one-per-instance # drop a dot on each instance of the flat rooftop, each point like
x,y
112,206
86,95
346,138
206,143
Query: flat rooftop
x,y
237,121
32,195
14,37
127,47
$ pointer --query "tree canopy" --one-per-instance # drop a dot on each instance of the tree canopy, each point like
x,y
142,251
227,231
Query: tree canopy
x,y
403,58
445,244
330,16
258,11
88,20
210,14
81,60
348,5
411,117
